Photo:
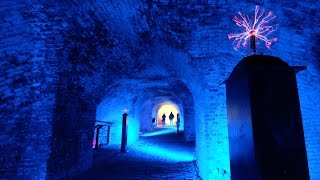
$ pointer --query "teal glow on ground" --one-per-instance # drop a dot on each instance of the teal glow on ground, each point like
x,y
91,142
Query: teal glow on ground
x,y
161,154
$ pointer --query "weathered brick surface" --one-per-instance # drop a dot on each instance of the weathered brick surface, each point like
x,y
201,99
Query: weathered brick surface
x,y
27,95
62,61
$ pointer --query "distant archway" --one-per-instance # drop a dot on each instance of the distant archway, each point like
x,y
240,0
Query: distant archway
x,y
166,106
166,109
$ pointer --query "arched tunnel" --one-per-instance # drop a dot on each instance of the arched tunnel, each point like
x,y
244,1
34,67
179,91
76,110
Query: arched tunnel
x,y
143,103
69,66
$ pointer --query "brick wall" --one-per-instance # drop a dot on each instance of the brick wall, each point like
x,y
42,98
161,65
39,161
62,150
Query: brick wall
x,y
27,91
200,30
60,62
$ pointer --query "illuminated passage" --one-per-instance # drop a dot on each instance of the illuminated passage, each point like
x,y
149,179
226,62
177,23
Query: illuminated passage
x,y
166,110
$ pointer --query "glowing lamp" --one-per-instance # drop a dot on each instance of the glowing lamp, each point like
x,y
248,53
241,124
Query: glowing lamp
x,y
255,30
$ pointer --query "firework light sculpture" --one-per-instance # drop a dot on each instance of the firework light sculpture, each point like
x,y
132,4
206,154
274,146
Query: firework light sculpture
x,y
255,30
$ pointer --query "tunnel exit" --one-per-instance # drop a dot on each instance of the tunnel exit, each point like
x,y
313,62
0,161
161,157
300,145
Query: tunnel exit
x,y
164,115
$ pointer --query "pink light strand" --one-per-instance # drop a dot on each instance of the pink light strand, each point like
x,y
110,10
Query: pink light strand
x,y
259,28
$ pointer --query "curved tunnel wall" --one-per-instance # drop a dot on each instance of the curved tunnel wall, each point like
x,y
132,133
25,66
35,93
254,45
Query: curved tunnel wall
x,y
141,103
111,110
48,68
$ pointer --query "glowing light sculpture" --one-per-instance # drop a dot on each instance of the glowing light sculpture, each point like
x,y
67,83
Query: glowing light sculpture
x,y
258,28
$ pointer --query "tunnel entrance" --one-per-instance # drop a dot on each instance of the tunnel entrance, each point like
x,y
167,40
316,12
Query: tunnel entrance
x,y
164,111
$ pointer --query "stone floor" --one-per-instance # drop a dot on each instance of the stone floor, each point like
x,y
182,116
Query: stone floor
x,y
161,154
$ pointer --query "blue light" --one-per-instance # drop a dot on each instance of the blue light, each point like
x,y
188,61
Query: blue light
x,y
169,154
159,131
133,130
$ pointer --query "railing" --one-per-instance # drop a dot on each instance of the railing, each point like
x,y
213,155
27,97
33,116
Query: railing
x,y
97,128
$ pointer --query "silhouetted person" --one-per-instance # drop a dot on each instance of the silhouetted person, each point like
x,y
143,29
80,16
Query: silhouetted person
x,y
153,122
163,120
178,122
171,116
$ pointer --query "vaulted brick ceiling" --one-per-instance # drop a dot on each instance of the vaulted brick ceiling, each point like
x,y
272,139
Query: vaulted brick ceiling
x,y
63,55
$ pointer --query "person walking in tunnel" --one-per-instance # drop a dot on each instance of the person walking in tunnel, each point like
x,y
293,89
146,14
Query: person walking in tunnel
x,y
178,122
153,122
171,116
163,120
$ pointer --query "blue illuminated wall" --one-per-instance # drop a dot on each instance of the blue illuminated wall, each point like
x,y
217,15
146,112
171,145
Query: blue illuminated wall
x,y
66,64
27,92
111,109
212,55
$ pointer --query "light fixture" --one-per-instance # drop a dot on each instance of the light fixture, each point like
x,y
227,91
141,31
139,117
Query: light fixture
x,y
255,31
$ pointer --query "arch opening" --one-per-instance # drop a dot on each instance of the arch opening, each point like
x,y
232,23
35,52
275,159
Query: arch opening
x,y
166,110
166,106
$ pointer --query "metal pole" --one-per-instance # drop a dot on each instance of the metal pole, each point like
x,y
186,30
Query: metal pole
x,y
108,134
178,122
124,132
